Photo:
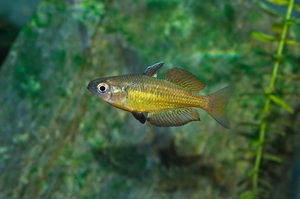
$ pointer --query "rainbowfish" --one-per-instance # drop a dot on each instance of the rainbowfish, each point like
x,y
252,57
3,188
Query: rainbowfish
x,y
162,102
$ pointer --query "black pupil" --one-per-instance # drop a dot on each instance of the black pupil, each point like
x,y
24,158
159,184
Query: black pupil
x,y
102,88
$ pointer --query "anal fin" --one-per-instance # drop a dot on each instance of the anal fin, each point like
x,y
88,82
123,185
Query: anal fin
x,y
173,117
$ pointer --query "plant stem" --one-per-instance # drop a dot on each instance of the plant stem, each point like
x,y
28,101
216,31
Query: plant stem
x,y
267,103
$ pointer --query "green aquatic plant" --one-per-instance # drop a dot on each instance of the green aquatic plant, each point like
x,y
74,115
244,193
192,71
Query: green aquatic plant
x,y
270,96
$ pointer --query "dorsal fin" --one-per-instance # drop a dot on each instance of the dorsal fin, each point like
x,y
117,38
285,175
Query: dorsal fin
x,y
153,70
185,79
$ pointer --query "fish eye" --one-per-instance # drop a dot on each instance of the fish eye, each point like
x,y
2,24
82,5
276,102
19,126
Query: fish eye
x,y
102,87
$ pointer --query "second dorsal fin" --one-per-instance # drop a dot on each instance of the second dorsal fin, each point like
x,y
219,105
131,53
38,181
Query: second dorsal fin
x,y
185,79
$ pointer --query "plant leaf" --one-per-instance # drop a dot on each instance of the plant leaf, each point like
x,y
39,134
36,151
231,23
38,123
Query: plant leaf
x,y
272,157
263,37
279,2
281,103
279,26
289,22
283,2
276,131
256,143
297,7
247,195
278,58
291,42
269,38
268,9
268,90
285,123
251,173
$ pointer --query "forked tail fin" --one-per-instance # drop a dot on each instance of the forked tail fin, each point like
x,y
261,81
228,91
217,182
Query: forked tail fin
x,y
217,103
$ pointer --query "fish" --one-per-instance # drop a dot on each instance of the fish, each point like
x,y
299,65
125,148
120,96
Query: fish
x,y
162,102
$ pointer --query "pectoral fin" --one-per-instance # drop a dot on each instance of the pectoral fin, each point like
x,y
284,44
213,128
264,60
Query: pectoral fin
x,y
153,70
139,116
173,117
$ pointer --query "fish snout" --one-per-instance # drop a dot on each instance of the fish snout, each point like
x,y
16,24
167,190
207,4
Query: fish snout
x,y
88,86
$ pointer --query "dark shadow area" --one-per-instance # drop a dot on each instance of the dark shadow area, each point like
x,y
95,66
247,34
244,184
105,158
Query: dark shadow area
x,y
8,34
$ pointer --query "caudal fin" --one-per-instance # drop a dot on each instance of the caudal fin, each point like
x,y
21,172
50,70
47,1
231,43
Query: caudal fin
x,y
217,103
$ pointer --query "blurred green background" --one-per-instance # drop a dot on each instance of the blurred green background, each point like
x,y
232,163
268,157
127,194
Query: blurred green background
x,y
57,140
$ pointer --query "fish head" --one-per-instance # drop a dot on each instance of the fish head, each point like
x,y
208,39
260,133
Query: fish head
x,y
108,90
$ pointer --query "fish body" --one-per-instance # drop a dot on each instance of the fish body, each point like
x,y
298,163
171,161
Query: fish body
x,y
162,102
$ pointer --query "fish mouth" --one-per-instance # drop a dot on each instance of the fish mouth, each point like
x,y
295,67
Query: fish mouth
x,y
91,87
88,86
